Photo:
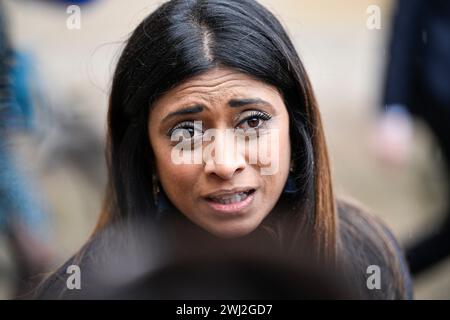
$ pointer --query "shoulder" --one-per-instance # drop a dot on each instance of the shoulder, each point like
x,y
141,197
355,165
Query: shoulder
x,y
120,249
55,285
365,241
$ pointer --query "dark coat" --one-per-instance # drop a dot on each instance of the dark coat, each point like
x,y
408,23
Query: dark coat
x,y
363,241
418,71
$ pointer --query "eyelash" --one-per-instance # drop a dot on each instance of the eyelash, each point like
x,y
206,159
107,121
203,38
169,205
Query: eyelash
x,y
182,125
189,123
256,114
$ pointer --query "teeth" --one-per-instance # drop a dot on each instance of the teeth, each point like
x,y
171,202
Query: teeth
x,y
231,198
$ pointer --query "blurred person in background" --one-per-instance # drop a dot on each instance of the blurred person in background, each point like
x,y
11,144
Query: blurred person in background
x,y
22,219
228,65
418,85
59,136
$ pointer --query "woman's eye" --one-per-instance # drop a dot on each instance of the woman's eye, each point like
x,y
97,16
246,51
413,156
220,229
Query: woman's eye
x,y
186,129
254,121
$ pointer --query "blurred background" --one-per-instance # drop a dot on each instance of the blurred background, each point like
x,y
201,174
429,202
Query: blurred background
x,y
60,151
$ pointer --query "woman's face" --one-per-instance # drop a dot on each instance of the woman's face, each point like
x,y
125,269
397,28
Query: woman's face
x,y
220,183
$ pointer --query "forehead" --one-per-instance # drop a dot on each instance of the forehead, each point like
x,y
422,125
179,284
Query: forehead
x,y
219,83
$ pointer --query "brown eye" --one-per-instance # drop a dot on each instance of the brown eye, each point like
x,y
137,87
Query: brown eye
x,y
188,129
253,122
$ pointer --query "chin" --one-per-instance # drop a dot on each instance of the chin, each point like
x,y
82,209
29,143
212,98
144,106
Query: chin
x,y
232,232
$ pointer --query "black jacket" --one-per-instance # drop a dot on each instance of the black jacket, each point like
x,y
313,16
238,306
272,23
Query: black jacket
x,y
363,241
418,70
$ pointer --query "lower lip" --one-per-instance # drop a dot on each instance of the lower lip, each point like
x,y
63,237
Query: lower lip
x,y
231,208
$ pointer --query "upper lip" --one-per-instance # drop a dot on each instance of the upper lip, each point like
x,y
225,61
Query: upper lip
x,y
225,192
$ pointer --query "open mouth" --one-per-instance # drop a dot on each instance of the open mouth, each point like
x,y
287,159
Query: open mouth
x,y
231,203
232,198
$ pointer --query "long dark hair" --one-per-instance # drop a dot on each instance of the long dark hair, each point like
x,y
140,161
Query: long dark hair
x,y
182,39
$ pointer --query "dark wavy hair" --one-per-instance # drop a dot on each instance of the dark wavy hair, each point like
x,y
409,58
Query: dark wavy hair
x,y
185,38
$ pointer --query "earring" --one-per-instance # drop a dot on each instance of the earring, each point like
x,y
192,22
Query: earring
x,y
290,186
162,203
156,190
291,167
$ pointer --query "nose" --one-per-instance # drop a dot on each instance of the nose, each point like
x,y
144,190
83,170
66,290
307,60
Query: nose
x,y
227,159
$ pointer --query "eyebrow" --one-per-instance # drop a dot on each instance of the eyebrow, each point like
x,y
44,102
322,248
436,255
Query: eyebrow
x,y
236,103
233,103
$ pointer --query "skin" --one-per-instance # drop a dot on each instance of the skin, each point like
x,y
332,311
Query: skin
x,y
187,184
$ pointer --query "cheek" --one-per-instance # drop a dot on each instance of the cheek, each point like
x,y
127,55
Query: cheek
x,y
280,153
178,181
171,176
284,157
285,148
275,181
